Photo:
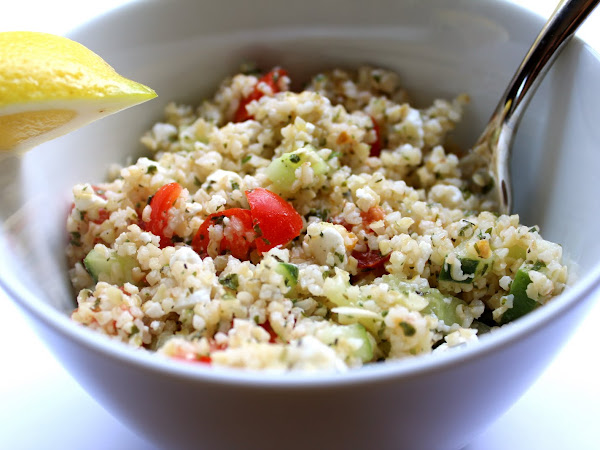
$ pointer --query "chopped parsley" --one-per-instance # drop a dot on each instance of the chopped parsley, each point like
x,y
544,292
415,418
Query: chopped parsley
x,y
462,231
76,238
230,281
407,329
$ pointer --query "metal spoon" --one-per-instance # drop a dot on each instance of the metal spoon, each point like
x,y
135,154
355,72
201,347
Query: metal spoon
x,y
489,161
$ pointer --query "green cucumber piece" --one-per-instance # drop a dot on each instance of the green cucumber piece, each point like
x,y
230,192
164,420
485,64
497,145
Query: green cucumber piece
x,y
517,252
115,269
335,288
332,335
281,171
442,305
289,272
522,304
471,264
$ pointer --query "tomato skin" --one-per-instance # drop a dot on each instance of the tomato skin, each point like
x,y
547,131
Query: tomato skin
x,y
371,259
99,192
103,215
278,222
267,327
376,146
271,78
161,203
241,240
203,359
373,214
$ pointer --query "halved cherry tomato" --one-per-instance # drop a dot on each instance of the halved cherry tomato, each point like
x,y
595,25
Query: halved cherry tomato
x,y
370,259
271,78
275,221
238,235
161,203
103,215
376,146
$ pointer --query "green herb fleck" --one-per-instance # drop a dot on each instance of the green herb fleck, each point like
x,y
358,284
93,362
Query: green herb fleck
x,y
76,238
538,265
407,329
294,158
322,214
462,231
230,281
151,170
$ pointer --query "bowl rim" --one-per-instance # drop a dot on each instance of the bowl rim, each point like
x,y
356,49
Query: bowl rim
x,y
576,295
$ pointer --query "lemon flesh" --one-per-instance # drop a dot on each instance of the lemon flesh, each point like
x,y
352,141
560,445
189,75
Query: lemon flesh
x,y
51,85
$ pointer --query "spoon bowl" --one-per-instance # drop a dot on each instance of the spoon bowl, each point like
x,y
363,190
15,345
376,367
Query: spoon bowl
x,y
489,162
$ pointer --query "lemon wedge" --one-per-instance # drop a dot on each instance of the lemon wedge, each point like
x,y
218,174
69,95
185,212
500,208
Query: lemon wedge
x,y
51,85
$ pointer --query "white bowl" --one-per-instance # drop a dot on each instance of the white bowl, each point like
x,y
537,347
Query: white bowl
x,y
440,49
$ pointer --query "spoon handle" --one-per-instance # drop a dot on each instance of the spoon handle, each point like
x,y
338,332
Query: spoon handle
x,y
498,136
564,21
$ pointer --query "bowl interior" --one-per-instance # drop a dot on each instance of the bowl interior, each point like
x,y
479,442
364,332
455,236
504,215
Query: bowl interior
x,y
439,50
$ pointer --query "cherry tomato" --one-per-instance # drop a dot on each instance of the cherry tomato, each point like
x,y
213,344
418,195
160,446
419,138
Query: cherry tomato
x,y
376,146
103,215
190,358
267,327
275,221
271,78
238,235
99,192
161,203
370,259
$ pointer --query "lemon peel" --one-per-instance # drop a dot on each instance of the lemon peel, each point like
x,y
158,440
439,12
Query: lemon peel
x,y
51,85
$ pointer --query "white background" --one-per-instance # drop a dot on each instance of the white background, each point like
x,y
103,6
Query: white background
x,y
42,407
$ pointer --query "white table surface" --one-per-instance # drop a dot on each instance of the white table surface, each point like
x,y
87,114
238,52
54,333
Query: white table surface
x,y
42,407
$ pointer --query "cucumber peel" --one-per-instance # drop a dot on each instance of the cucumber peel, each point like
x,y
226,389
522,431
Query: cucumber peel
x,y
289,272
333,335
472,265
522,304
